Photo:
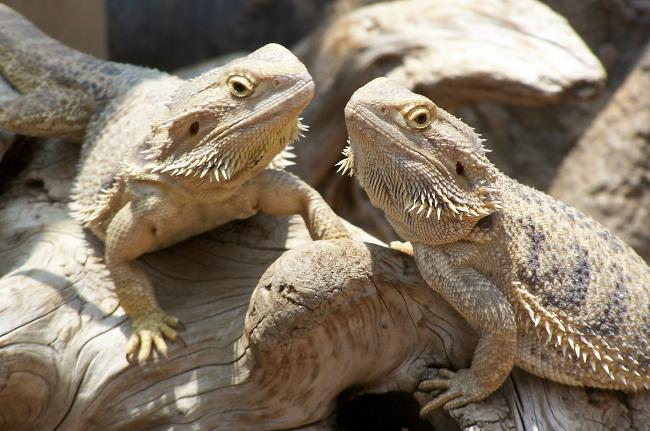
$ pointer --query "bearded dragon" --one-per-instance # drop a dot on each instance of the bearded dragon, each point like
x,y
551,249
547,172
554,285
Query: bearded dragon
x,y
163,158
547,288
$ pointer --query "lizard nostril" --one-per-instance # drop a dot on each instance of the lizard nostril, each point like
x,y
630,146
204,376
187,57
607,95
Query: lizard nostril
x,y
277,82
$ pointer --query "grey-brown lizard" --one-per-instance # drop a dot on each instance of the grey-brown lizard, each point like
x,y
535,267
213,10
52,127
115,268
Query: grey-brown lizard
x,y
547,288
163,159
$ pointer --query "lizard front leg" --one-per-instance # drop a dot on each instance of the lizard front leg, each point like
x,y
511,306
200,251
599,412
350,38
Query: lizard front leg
x,y
488,311
281,193
131,233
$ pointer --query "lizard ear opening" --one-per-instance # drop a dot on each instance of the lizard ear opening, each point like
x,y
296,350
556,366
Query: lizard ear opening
x,y
460,169
194,128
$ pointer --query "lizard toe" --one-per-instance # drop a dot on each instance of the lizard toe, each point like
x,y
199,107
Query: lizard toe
x,y
433,384
443,381
160,345
145,346
440,401
132,348
459,402
462,388
150,331
168,332
171,320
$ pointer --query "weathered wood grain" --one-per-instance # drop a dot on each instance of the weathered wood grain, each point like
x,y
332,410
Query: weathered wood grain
x,y
273,337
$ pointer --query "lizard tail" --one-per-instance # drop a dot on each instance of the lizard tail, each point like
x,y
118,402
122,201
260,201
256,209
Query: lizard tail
x,y
57,89
48,98
30,59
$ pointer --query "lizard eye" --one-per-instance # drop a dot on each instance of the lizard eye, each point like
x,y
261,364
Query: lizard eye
x,y
418,118
240,86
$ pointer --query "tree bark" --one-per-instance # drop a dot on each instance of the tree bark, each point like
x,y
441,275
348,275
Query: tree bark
x,y
277,328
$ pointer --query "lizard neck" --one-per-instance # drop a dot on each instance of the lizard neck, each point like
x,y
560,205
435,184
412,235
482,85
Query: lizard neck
x,y
422,217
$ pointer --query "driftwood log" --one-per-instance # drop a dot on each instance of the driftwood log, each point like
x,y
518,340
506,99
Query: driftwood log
x,y
454,52
273,338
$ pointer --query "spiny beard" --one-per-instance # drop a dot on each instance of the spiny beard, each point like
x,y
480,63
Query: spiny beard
x,y
347,163
428,201
424,199
218,162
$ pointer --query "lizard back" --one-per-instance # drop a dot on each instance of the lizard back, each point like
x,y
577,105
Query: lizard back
x,y
581,287
111,138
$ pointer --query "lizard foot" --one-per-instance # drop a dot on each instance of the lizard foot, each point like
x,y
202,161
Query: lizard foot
x,y
461,389
404,247
149,330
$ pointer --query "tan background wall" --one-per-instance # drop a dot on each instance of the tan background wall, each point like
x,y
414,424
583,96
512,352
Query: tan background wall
x,y
80,24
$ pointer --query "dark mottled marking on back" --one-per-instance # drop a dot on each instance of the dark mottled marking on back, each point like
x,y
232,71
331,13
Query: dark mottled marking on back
x,y
581,269
613,312
531,272
615,244
575,283
110,70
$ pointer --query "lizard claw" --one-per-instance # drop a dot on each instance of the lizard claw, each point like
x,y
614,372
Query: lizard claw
x,y
181,340
460,388
150,330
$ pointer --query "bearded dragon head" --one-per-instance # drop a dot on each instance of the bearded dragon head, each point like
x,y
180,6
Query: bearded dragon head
x,y
418,163
230,122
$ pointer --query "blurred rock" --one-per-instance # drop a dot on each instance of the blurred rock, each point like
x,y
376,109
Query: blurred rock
x,y
530,143
607,174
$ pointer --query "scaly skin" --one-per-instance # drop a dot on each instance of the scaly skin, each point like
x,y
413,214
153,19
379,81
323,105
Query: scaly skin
x,y
163,159
547,288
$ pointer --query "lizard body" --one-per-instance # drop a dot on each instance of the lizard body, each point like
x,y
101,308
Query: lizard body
x,y
547,288
163,159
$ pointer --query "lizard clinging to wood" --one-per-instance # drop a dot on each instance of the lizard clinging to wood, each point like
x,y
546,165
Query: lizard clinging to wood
x,y
547,288
163,159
